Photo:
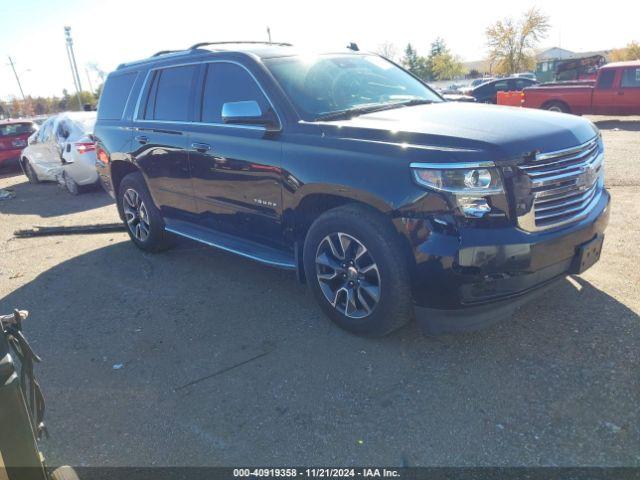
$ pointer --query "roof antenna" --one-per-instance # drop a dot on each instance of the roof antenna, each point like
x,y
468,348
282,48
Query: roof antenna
x,y
353,46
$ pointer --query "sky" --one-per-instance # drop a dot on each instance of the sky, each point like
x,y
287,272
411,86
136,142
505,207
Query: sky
x,y
110,32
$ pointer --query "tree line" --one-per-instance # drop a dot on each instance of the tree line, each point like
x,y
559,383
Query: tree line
x,y
511,44
33,106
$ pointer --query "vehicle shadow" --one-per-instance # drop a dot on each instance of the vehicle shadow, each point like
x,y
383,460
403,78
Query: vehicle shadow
x,y
10,169
50,200
618,124
195,350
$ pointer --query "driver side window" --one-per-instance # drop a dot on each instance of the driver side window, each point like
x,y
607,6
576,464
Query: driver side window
x,y
227,82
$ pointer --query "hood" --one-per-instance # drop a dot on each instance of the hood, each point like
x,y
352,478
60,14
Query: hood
x,y
504,133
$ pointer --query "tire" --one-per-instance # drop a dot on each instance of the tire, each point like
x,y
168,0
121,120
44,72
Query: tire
x,y
30,172
557,107
64,473
141,217
70,184
358,227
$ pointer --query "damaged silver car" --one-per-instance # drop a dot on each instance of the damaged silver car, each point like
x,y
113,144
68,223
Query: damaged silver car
x,y
63,150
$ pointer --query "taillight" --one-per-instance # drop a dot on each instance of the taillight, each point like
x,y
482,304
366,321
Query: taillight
x,y
102,155
84,147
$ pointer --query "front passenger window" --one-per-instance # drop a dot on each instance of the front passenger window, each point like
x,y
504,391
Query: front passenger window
x,y
631,77
45,131
228,82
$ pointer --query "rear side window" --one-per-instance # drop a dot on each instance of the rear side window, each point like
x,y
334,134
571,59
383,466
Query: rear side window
x,y
631,77
114,96
169,95
605,80
228,82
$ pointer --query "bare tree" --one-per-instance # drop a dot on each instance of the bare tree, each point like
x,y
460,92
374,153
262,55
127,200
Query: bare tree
x,y
511,42
388,50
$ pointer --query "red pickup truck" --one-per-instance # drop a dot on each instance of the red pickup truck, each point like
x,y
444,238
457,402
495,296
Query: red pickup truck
x,y
615,91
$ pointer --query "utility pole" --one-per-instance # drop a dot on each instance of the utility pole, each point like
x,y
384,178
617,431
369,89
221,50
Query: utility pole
x,y
72,64
17,79
269,33
86,70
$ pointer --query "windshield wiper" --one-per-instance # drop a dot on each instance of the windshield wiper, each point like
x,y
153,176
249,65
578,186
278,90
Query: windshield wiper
x,y
361,110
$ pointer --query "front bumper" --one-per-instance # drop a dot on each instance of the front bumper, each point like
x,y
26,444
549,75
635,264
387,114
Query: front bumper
x,y
479,276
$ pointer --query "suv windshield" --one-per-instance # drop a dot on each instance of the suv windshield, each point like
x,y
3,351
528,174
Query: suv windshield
x,y
322,86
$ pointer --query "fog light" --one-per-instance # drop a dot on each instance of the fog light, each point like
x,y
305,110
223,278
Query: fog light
x,y
473,207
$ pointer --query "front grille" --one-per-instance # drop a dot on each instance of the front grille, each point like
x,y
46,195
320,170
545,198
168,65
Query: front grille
x,y
565,185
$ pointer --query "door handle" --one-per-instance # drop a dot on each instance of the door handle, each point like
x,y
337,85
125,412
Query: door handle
x,y
142,139
201,147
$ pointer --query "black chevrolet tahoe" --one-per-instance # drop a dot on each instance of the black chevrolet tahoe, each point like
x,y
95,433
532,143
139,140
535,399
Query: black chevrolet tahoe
x,y
388,201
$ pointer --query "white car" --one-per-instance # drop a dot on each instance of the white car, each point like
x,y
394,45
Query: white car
x,y
63,150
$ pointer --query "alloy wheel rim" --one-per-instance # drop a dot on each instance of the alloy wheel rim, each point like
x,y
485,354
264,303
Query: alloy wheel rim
x,y
135,214
348,275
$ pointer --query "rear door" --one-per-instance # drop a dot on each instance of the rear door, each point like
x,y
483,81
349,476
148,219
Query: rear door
x,y
161,139
604,100
236,168
629,92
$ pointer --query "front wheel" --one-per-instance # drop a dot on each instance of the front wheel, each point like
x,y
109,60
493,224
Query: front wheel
x,y
141,217
30,172
357,271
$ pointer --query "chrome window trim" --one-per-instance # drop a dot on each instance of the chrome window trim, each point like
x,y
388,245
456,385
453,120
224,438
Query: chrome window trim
x,y
213,124
452,166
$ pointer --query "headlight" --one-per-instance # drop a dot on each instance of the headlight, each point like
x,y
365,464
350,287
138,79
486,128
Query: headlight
x,y
461,179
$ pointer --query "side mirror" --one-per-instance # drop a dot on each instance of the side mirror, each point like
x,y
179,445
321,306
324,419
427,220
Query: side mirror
x,y
248,113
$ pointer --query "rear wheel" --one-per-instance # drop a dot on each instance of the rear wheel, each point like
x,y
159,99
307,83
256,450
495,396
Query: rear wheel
x,y
70,184
557,107
357,271
141,217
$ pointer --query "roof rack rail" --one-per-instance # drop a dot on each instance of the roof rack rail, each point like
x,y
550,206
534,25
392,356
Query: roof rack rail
x,y
203,44
164,52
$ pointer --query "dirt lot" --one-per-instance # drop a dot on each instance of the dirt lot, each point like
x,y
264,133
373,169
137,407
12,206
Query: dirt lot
x,y
227,362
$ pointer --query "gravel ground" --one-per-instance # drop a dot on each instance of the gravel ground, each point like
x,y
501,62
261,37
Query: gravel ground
x,y
198,357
